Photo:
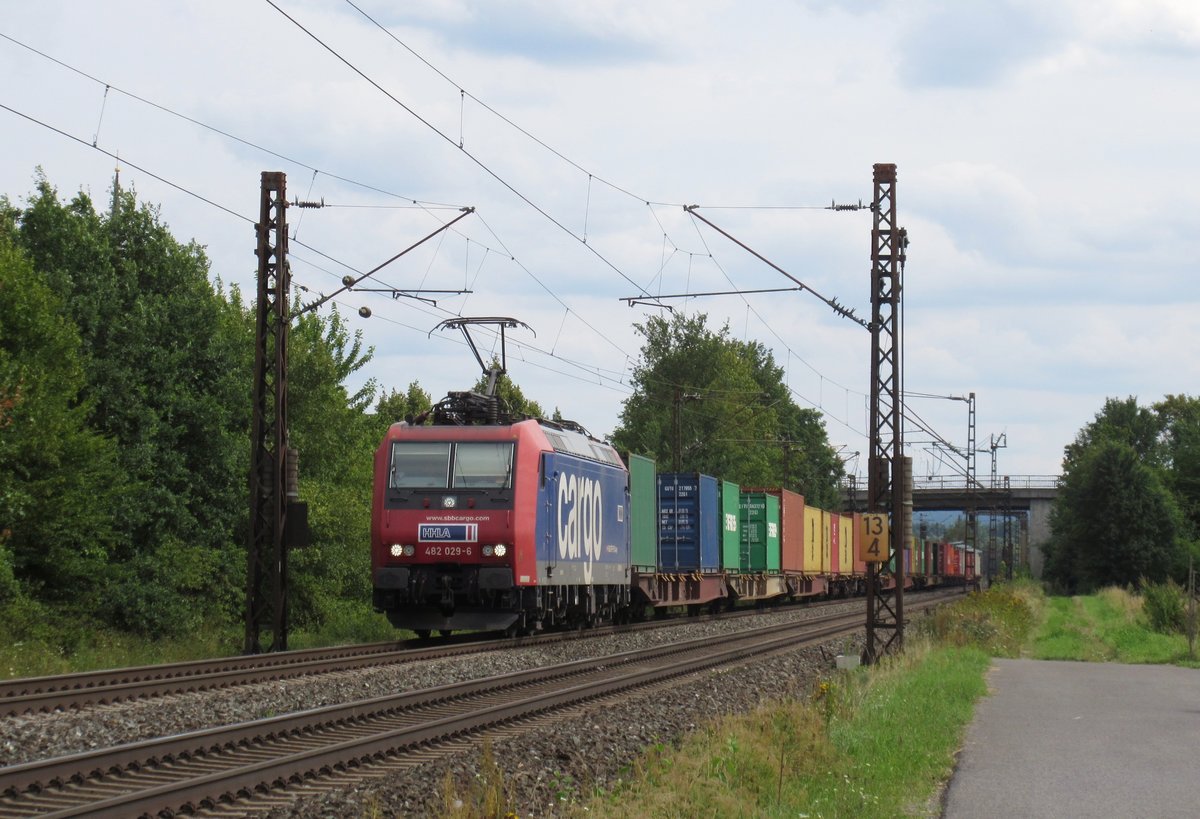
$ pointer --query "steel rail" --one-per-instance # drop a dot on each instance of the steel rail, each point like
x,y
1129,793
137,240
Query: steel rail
x,y
642,667
28,695
359,751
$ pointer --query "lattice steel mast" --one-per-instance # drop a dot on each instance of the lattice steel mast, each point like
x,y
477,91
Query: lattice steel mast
x,y
885,606
969,533
266,576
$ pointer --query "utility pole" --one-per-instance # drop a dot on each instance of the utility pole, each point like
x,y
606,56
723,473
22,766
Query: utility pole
x,y
266,575
994,554
1191,608
885,490
969,530
1010,556
680,398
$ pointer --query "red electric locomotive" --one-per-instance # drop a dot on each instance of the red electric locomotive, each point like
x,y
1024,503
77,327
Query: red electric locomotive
x,y
496,525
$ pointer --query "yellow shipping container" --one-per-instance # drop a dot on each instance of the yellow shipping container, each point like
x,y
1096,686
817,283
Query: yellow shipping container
x,y
812,540
846,544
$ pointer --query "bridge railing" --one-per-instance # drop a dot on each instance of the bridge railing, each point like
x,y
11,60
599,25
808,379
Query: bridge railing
x,y
958,483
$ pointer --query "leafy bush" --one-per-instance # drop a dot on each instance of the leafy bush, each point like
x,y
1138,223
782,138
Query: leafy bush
x,y
1164,606
996,621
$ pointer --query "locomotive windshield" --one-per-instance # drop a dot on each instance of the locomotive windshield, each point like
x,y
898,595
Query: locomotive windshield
x,y
480,465
420,464
441,465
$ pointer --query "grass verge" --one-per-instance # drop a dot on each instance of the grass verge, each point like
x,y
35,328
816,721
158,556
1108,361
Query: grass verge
x,y
865,744
60,648
877,742
1107,626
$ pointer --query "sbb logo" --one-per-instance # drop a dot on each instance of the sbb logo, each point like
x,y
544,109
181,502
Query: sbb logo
x,y
580,518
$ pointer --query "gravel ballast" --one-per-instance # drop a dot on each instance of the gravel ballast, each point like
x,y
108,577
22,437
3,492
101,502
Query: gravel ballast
x,y
547,766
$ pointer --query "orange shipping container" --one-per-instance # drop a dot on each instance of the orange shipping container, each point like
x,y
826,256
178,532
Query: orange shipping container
x,y
826,542
835,540
860,566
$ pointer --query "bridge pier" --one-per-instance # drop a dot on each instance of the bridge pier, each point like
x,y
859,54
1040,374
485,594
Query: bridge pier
x,y
1039,533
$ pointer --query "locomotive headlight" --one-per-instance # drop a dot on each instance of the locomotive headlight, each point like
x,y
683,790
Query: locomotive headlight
x,y
397,550
487,551
500,550
410,550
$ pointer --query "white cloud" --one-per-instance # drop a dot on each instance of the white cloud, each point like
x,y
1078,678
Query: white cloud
x,y
1046,177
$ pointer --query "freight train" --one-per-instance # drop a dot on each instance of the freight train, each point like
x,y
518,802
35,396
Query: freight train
x,y
535,524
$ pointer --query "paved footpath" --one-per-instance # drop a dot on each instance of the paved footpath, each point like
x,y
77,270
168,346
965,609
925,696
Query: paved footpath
x,y
1058,739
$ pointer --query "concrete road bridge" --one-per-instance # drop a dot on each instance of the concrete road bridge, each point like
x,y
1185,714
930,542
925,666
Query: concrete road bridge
x,y
1033,494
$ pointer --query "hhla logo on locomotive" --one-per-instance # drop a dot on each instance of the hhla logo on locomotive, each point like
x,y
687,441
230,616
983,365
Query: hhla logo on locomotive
x,y
580,519
448,533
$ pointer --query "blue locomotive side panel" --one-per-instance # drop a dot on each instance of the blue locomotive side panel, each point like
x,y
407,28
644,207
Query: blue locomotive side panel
x,y
689,513
582,522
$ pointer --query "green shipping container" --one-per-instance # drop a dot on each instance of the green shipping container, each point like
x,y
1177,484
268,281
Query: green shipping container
x,y
760,532
731,530
643,519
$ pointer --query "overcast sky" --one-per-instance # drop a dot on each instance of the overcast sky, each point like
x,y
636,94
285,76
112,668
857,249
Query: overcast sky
x,y
1046,154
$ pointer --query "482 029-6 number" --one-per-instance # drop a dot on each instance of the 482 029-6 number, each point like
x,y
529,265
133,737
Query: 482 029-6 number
x,y
449,551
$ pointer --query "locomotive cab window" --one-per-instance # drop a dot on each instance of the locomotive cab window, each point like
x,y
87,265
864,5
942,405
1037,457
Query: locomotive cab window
x,y
420,465
483,465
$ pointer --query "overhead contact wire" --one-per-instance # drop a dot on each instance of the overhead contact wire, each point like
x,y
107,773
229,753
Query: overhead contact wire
x,y
478,162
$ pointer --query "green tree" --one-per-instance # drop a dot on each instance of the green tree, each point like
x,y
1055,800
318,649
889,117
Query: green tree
x,y
58,478
807,462
399,406
1114,522
1180,415
718,405
1124,421
1127,476
125,402
336,436
164,385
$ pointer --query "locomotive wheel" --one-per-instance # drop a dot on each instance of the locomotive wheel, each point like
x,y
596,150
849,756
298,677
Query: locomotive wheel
x,y
445,632
423,633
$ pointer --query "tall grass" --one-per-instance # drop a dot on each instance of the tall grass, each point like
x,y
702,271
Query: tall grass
x,y
876,742
486,796
997,621
1111,626
61,648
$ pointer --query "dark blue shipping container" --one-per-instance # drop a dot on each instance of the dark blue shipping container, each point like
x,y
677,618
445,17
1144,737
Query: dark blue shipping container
x,y
689,517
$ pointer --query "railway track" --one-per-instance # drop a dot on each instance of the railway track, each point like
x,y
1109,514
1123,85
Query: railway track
x,y
69,691
226,770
